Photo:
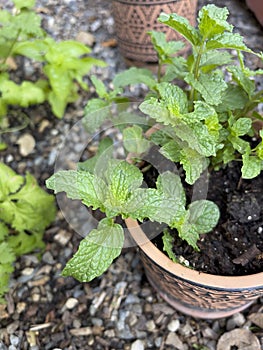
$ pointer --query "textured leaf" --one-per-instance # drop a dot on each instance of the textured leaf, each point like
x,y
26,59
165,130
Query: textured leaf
x,y
64,181
188,233
168,245
204,215
164,48
173,97
104,153
210,85
252,166
241,127
10,182
35,50
134,141
24,95
96,112
7,256
181,25
228,41
134,76
232,98
99,86
213,21
96,252
123,178
193,163
3,231
242,79
215,58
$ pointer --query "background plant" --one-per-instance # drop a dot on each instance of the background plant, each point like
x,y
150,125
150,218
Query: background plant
x,y
206,124
25,211
64,63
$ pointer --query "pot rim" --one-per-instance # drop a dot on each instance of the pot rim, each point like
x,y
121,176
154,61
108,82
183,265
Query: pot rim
x,y
235,283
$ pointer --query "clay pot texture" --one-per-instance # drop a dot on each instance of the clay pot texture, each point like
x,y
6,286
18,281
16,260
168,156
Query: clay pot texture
x,y
192,292
134,18
256,6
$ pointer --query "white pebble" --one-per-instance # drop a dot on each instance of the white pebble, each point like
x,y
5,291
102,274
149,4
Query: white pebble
x,y
71,303
174,325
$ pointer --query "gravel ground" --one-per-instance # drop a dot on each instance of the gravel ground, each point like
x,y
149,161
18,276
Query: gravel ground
x,y
119,310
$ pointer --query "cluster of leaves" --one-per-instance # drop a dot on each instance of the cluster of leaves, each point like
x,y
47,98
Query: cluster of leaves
x,y
116,190
64,63
25,211
209,123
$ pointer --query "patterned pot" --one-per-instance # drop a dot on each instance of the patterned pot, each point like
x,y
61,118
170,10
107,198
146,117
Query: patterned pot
x,y
194,293
134,18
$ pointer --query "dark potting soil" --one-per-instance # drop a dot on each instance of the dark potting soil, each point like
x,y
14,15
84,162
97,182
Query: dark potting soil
x,y
235,246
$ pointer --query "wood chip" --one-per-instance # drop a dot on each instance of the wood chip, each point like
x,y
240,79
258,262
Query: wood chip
x,y
247,256
81,331
110,43
241,339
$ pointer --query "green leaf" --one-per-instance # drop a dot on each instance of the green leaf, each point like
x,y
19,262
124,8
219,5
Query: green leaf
x,y
3,231
7,255
182,26
58,104
23,243
213,21
241,127
134,141
168,245
60,81
210,85
96,112
34,208
123,179
242,79
204,215
71,48
164,204
228,41
164,48
64,181
214,58
24,3
99,86
234,97
10,182
252,166
104,154
96,252
193,163
173,98
134,76
35,50
24,95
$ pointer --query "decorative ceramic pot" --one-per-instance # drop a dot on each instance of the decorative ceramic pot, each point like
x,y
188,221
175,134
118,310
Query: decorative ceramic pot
x,y
256,6
134,18
194,293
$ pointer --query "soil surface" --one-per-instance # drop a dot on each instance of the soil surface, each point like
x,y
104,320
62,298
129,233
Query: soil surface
x,y
119,310
235,246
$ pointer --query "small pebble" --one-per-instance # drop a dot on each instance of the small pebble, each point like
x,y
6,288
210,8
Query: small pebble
x,y
137,345
173,326
71,303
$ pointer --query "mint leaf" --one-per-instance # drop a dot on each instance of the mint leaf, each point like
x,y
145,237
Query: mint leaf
x,y
133,76
96,252
227,41
164,48
213,21
134,141
104,153
64,181
168,245
123,179
242,79
251,167
241,127
182,26
214,58
193,163
234,97
210,85
96,112
204,215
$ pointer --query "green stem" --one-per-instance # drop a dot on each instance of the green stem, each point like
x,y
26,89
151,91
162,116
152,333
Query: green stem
x,y
196,69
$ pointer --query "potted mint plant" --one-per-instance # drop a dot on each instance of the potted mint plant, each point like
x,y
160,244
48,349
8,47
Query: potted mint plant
x,y
208,126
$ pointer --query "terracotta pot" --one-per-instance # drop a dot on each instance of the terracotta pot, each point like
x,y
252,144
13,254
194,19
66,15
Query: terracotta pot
x,y
256,6
134,18
194,293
